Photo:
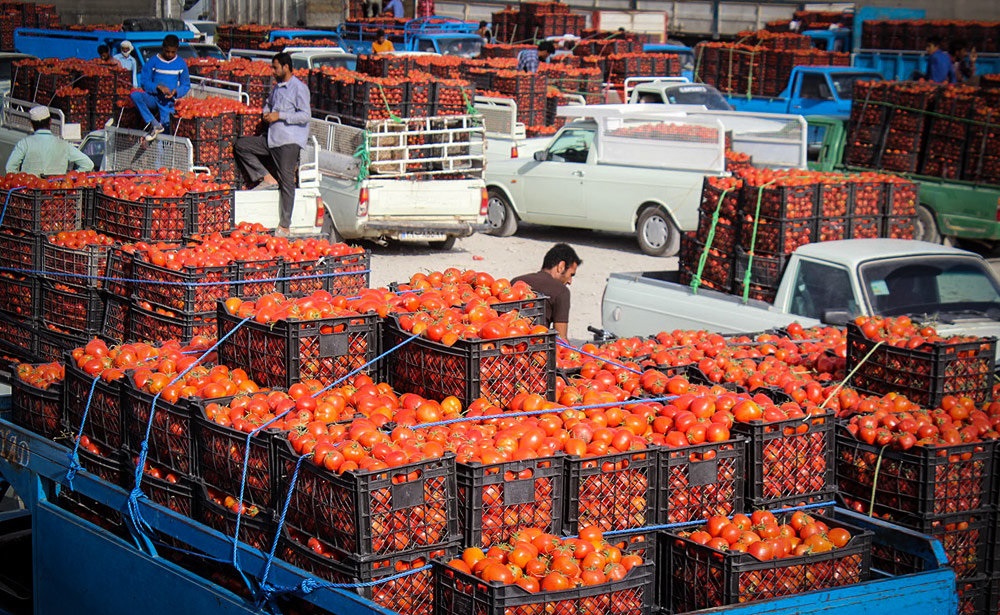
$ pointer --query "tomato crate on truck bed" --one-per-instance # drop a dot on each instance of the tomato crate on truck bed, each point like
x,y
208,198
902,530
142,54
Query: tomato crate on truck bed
x,y
20,251
82,267
149,219
77,310
776,235
616,491
364,513
149,323
924,480
696,482
33,210
20,295
458,593
171,442
188,289
788,458
344,274
926,374
497,369
408,593
700,577
219,510
497,500
222,453
40,410
281,353
210,211
116,326
109,466
53,343
173,491
101,399
784,202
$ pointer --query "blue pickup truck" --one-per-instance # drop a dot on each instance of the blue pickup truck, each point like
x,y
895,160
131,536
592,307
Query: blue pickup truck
x,y
442,35
811,90
686,55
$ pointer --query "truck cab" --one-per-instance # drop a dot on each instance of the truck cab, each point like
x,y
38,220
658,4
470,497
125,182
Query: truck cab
x,y
674,91
442,35
686,55
830,40
811,90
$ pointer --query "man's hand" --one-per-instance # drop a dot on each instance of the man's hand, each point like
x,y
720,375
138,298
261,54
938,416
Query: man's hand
x,y
271,117
162,89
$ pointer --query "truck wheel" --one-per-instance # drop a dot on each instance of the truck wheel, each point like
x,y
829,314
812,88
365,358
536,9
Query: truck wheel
x,y
656,233
926,226
329,229
445,245
500,215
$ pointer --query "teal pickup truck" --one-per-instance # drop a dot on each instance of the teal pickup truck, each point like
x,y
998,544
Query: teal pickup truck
x,y
811,90
948,209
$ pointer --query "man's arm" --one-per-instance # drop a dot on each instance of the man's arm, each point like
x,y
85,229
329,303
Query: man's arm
x,y
78,160
146,78
302,114
184,81
562,329
16,158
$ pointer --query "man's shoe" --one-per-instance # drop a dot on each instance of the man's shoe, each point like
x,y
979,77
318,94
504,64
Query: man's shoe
x,y
281,231
154,132
266,186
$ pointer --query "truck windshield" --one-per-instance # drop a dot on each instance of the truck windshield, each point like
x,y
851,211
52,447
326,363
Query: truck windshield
x,y
935,285
844,84
697,95
463,47
335,61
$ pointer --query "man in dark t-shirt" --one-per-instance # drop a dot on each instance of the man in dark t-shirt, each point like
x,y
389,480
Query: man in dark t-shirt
x,y
558,268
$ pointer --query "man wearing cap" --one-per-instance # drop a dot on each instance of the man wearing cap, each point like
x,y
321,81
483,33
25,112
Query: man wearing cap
x,y
43,153
124,57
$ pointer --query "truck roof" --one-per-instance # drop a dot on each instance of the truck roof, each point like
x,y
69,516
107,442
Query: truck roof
x,y
853,252
836,70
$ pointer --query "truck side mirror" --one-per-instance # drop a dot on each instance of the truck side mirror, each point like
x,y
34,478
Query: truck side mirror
x,y
541,156
837,318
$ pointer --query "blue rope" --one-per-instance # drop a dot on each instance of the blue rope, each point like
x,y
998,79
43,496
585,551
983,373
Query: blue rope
x,y
372,362
132,505
594,356
10,193
74,459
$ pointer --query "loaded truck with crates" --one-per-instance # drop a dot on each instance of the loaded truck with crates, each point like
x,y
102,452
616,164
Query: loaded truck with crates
x,y
441,35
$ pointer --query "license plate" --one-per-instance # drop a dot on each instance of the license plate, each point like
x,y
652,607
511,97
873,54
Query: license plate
x,y
422,237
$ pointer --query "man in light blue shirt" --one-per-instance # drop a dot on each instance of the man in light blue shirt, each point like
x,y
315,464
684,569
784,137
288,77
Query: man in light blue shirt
x,y
43,153
272,160
124,57
395,7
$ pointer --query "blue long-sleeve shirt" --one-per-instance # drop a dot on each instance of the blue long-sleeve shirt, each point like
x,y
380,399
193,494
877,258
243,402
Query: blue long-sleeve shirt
x,y
173,74
940,68
291,100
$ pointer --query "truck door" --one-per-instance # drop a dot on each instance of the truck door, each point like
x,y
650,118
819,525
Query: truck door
x,y
554,190
814,92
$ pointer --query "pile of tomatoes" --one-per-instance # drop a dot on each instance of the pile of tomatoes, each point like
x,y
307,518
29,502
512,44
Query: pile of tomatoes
x,y
541,562
79,240
899,423
41,376
276,307
165,183
902,332
479,321
761,536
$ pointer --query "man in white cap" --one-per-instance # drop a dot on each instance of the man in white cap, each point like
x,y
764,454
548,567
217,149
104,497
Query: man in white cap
x,y
124,57
43,153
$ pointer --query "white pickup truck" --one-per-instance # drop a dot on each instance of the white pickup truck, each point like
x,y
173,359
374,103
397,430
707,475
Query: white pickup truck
x,y
634,169
828,282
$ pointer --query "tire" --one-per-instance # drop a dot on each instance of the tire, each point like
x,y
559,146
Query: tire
x,y
926,226
445,245
329,229
657,234
500,215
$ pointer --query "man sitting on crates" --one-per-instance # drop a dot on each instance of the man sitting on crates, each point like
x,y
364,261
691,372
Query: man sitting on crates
x,y
165,78
273,160
42,153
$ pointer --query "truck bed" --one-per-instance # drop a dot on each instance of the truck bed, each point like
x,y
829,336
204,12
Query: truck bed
x,y
625,309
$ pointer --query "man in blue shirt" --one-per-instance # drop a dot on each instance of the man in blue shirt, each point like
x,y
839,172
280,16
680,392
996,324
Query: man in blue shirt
x,y
529,59
165,78
940,68
273,160
395,7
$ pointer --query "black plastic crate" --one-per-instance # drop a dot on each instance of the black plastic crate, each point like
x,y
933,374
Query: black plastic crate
x,y
974,596
458,593
701,577
92,511
18,339
765,269
865,227
924,480
20,252
281,353
833,199
190,289
533,309
52,344
116,326
832,229
150,325
43,211
616,491
901,198
211,211
408,593
170,490
118,273
258,528
198,128
868,198
497,500
105,424
109,468
783,202
805,447
152,219
718,267
77,310
20,296
696,482
495,369
172,443
383,512
84,267
252,279
925,374
776,235
39,410
340,275
222,456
